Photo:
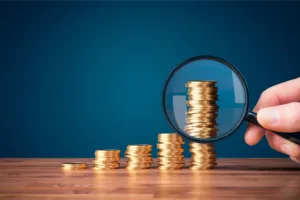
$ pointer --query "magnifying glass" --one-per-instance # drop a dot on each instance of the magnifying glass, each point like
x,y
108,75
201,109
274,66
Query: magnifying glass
x,y
207,94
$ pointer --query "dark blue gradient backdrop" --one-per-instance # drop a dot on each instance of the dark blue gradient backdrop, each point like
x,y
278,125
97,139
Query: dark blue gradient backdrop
x,y
81,76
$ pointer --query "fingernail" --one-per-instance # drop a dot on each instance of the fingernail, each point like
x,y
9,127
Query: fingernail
x,y
270,116
287,149
295,160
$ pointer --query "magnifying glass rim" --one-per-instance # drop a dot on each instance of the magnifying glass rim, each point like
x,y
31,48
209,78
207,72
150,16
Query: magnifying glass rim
x,y
245,111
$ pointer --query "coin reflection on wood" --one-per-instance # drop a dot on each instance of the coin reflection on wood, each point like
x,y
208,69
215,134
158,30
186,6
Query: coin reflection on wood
x,y
201,122
170,151
107,159
139,156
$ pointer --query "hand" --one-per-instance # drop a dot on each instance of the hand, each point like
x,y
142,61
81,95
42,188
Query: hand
x,y
278,109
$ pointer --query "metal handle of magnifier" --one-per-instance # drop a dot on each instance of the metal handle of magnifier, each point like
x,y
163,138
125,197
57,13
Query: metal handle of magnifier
x,y
293,137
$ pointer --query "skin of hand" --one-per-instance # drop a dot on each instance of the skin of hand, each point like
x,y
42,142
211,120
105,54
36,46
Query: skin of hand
x,y
278,109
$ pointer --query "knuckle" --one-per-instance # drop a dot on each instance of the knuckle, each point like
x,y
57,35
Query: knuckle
x,y
265,94
296,152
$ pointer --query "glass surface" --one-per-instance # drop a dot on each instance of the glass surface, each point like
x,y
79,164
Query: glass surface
x,y
230,90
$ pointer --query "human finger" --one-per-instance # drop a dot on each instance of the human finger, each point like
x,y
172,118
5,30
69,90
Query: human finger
x,y
282,145
282,118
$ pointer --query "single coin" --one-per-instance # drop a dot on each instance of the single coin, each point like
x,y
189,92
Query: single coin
x,y
74,165
200,83
169,136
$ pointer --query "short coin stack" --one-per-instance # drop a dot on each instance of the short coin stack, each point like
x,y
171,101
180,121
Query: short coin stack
x,y
201,122
170,151
74,165
139,156
107,159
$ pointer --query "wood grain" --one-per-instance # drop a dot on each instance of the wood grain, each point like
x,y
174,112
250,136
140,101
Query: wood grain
x,y
232,179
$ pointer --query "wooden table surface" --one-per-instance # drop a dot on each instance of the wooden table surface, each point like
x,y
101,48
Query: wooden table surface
x,y
232,179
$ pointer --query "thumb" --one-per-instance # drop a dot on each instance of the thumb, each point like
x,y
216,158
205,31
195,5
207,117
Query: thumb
x,y
282,118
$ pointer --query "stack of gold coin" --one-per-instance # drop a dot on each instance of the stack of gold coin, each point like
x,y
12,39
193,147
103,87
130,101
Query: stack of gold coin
x,y
107,159
139,156
170,151
201,122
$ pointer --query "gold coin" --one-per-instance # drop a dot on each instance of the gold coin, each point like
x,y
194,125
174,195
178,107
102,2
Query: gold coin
x,y
137,162
138,166
173,150
104,167
107,153
203,90
196,101
171,142
201,98
107,164
139,146
74,165
169,164
198,128
200,121
139,158
168,146
134,155
137,153
205,145
204,115
169,136
170,167
205,167
202,135
204,158
170,159
201,83
105,161
178,151
204,110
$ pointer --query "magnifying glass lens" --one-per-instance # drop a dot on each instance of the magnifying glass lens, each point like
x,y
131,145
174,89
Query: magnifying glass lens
x,y
205,99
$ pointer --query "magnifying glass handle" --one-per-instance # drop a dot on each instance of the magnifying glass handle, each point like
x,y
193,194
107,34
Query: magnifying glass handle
x,y
293,137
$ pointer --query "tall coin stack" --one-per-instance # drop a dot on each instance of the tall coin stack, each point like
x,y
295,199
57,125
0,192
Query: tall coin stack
x,y
201,122
107,159
139,156
170,151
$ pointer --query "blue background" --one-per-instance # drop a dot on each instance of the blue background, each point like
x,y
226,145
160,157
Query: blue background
x,y
81,76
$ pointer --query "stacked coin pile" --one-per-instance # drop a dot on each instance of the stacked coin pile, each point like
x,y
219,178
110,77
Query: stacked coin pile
x,y
170,151
139,156
201,122
107,159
